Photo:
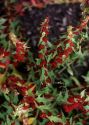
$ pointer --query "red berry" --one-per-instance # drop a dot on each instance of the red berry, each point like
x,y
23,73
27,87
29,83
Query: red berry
x,y
40,47
43,115
50,123
40,56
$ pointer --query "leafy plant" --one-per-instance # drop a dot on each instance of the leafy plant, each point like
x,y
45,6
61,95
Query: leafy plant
x,y
30,97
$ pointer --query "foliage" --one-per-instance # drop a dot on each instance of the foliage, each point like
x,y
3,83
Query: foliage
x,y
30,97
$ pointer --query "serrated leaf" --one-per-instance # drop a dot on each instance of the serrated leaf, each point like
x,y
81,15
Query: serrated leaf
x,y
14,24
67,81
71,121
86,107
76,81
55,119
87,98
63,118
6,97
9,110
51,74
42,74
49,57
67,45
15,100
70,71
43,122
83,93
62,98
45,107
2,21
1,116
41,99
50,44
38,61
8,121
86,78
47,89
2,27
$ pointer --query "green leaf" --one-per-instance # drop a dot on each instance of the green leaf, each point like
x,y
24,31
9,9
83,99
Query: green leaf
x,y
76,81
38,61
83,93
14,23
67,81
55,119
47,89
2,36
79,123
50,44
86,107
49,57
15,100
2,21
9,110
67,45
86,78
6,97
43,122
3,123
1,116
70,71
63,118
2,27
87,98
41,99
51,75
45,107
62,98
14,26
71,121
5,105
8,121
42,78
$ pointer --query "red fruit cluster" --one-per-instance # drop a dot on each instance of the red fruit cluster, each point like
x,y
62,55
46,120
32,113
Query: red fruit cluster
x,y
63,54
42,50
43,115
44,28
20,52
50,123
87,2
12,81
75,103
19,8
42,47
82,26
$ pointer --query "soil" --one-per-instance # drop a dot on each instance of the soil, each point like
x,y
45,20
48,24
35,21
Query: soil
x,y
61,16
